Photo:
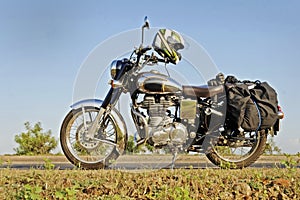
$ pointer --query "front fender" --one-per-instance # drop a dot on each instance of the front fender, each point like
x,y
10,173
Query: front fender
x,y
115,116
87,102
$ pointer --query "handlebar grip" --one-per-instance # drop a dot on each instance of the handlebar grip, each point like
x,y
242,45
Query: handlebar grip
x,y
144,50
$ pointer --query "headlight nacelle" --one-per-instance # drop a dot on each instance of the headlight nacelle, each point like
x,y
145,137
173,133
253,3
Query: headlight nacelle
x,y
115,67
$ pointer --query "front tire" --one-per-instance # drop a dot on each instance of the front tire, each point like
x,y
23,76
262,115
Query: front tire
x,y
238,156
90,154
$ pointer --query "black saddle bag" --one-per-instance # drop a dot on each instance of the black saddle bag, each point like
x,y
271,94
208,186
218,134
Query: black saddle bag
x,y
266,98
250,105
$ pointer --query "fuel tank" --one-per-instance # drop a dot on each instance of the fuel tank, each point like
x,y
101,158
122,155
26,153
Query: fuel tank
x,y
154,82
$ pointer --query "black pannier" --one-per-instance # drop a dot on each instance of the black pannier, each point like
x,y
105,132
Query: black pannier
x,y
266,98
250,105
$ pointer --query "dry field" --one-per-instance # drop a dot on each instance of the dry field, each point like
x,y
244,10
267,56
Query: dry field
x,y
159,184
247,183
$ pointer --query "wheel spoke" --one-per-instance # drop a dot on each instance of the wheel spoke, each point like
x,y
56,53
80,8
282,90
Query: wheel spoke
x,y
90,115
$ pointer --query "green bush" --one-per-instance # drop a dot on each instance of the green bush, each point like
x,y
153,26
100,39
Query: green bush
x,y
34,141
271,148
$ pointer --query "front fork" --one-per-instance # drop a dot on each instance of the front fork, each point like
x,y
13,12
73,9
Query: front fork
x,y
109,101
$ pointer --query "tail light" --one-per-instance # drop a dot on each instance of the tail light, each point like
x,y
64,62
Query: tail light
x,y
280,113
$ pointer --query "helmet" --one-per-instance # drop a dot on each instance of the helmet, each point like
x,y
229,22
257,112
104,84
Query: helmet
x,y
167,43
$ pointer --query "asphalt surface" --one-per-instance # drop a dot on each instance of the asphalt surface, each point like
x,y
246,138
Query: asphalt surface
x,y
133,162
131,166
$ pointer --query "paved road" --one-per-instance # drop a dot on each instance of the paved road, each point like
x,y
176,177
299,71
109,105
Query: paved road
x,y
132,166
133,162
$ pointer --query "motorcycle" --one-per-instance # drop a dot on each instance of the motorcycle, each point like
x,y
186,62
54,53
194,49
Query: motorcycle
x,y
166,114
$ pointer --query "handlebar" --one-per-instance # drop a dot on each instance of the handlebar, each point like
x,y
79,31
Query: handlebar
x,y
155,59
141,51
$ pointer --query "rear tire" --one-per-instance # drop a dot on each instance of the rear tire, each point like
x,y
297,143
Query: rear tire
x,y
227,157
84,153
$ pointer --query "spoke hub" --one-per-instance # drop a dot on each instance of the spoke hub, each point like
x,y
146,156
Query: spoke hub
x,y
84,141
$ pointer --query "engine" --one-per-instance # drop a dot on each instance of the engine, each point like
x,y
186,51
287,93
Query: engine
x,y
162,128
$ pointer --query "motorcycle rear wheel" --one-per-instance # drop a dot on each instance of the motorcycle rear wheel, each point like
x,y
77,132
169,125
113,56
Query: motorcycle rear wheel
x,y
89,154
238,156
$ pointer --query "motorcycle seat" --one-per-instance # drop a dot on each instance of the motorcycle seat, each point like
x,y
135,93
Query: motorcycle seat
x,y
202,91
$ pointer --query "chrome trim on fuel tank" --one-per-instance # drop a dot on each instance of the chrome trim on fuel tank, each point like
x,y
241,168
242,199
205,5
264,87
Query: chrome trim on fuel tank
x,y
155,83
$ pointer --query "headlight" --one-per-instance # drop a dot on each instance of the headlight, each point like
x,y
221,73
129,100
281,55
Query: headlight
x,y
115,67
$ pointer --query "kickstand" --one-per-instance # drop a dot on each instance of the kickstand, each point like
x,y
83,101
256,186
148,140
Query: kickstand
x,y
174,152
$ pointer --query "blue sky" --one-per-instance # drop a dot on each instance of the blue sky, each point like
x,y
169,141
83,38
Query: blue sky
x,y
44,43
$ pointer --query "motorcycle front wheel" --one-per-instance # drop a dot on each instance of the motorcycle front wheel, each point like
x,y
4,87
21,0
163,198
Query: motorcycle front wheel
x,y
85,153
237,152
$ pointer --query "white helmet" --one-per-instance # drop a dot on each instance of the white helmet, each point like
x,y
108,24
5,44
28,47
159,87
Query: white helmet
x,y
167,43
